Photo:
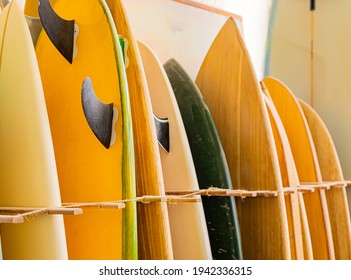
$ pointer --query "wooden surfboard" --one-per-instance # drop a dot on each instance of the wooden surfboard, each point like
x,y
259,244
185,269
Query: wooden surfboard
x,y
153,223
92,167
28,175
210,164
307,166
300,239
331,172
190,238
231,91
309,53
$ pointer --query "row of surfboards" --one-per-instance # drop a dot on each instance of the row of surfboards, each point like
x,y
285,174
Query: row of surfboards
x,y
91,116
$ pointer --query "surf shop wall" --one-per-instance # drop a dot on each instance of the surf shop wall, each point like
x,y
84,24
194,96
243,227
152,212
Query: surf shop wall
x,y
174,130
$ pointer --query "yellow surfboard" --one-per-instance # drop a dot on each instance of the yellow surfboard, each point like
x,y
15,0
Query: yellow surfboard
x,y
232,93
331,172
28,176
90,171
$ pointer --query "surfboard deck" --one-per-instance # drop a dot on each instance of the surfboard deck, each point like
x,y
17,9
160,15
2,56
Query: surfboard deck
x,y
28,176
331,172
153,222
231,91
210,164
307,166
300,239
88,171
190,238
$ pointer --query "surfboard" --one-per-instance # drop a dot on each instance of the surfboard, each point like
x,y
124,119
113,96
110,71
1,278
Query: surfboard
x,y
90,117
307,166
189,233
300,239
210,164
231,91
331,172
320,72
153,222
28,175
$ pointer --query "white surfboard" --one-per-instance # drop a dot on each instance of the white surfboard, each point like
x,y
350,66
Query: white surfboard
x,y
28,176
190,238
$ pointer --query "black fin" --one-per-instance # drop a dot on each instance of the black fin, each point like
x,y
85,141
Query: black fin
x,y
98,115
162,132
59,30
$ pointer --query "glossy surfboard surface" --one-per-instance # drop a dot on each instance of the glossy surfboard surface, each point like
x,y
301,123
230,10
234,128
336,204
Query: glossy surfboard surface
x,y
28,175
231,91
210,163
88,170
190,238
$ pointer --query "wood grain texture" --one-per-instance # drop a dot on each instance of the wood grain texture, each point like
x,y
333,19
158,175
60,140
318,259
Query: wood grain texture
x,y
306,162
228,84
290,179
331,171
153,224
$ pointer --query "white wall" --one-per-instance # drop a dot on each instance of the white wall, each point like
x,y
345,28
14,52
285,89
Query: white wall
x,y
176,30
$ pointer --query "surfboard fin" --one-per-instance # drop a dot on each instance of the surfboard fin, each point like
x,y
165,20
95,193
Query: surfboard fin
x,y
59,30
98,115
162,132
35,27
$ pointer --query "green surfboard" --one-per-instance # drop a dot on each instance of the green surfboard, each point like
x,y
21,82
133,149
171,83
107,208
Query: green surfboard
x,y
210,164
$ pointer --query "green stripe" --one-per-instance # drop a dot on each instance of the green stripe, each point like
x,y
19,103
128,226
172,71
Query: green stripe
x,y
129,235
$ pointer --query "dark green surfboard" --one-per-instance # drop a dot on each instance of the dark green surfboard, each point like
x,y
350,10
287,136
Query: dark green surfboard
x,y
210,164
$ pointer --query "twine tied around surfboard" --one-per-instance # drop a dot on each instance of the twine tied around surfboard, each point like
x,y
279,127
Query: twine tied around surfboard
x,y
16,215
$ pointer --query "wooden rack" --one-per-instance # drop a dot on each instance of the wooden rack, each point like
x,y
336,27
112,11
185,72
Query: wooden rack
x,y
17,215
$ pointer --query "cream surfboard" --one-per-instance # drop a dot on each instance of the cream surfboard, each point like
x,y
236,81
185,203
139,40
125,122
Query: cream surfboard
x,y
28,175
94,155
153,222
190,238
231,91
306,162
310,53
300,239
331,172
